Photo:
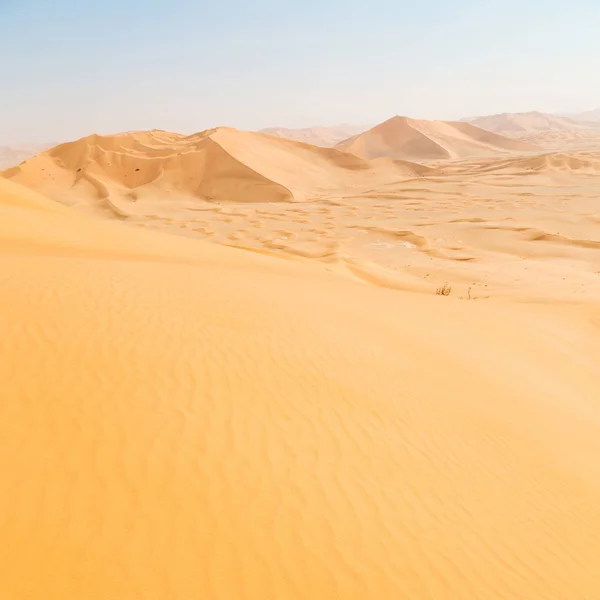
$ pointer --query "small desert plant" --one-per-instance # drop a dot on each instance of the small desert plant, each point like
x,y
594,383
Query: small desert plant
x,y
444,290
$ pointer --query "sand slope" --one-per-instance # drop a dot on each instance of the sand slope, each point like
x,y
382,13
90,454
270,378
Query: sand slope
x,y
125,173
318,136
411,139
183,420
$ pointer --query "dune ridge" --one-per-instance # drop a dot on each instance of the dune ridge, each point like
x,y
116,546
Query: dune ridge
x,y
411,139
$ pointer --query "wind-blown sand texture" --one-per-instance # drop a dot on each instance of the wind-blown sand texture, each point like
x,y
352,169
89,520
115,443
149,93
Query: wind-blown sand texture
x,y
412,139
301,417
318,136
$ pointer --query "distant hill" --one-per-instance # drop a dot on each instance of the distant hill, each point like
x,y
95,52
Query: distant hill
x,y
589,115
527,122
411,139
318,136
13,155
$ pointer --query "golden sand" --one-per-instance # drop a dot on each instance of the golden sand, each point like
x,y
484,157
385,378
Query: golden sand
x,y
294,419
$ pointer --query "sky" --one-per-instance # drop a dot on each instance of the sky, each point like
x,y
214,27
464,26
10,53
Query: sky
x,y
70,68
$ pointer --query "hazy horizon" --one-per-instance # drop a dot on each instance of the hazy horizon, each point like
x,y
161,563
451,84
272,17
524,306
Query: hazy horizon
x,y
105,68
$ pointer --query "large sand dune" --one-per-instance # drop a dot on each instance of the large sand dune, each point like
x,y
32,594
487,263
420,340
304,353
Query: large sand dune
x,y
183,420
411,139
130,173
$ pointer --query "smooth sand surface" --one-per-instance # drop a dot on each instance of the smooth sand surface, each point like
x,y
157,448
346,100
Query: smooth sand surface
x,y
301,417
412,139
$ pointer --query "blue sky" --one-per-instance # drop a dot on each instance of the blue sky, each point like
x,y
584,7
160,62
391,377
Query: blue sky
x,y
70,68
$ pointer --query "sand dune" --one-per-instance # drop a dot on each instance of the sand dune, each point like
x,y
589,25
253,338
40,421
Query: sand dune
x,y
528,122
184,420
410,139
318,136
128,173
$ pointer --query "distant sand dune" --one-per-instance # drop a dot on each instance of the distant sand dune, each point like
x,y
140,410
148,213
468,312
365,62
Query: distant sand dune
x,y
411,139
568,162
529,122
318,136
579,139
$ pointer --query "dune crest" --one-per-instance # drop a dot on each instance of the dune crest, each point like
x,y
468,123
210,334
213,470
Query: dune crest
x,y
411,139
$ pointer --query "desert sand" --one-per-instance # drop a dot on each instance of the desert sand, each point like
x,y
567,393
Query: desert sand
x,y
412,139
228,374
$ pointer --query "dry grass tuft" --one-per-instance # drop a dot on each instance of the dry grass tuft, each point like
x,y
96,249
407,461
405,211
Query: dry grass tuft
x,y
444,290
